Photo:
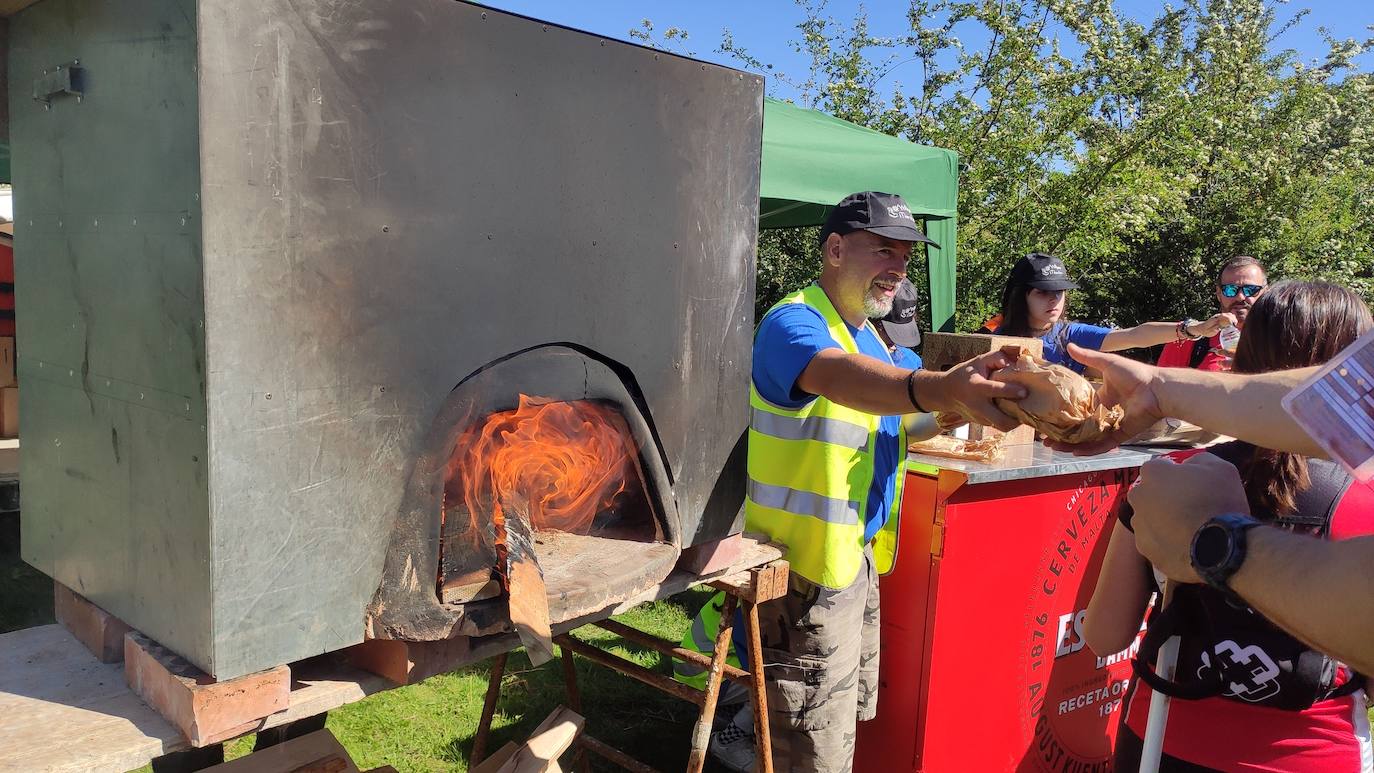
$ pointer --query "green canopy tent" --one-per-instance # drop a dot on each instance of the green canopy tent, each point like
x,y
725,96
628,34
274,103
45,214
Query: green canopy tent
x,y
812,160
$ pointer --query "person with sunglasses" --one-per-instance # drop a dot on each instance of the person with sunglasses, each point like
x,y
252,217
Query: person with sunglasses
x,y
1240,282
1033,306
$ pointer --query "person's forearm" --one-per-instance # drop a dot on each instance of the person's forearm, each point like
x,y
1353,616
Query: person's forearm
x,y
1119,599
1245,407
1321,592
859,382
1144,334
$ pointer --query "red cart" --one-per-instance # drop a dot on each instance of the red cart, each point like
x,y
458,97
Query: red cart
x,y
983,666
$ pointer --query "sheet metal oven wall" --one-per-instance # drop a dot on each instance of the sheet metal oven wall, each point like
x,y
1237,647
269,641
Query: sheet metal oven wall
x,y
110,312
394,195
398,193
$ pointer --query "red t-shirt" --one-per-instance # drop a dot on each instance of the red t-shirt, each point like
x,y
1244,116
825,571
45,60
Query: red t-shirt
x,y
1179,353
1230,735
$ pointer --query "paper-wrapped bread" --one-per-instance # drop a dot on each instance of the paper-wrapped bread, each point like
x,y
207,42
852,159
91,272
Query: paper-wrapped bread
x,y
1059,403
986,450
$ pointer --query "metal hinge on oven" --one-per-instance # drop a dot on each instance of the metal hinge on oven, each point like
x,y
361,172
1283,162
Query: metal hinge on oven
x,y
64,79
937,538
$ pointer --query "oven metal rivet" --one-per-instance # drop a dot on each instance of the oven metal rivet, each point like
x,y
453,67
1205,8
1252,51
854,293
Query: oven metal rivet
x,y
386,229
268,395
484,16
381,389
674,245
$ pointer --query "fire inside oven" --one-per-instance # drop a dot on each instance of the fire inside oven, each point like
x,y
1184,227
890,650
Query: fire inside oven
x,y
567,473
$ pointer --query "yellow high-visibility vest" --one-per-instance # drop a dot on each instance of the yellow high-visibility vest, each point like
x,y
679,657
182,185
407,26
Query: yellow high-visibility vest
x,y
701,637
810,469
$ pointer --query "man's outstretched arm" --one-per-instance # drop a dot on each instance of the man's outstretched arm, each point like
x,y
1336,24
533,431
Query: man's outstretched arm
x,y
863,383
1247,407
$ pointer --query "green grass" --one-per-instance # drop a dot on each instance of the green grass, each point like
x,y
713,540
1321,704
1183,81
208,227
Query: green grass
x,y
429,726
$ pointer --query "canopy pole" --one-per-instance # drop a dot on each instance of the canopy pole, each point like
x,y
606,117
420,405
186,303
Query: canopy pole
x,y
942,274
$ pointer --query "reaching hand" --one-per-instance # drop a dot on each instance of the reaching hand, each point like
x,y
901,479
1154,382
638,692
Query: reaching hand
x,y
1213,325
1172,500
1125,382
966,389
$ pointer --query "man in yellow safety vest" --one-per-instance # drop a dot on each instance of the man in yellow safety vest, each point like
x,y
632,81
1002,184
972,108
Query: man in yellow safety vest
x,y
825,446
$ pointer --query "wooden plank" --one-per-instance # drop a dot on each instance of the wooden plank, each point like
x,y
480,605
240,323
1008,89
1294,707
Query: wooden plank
x,y
62,710
548,742
317,752
495,761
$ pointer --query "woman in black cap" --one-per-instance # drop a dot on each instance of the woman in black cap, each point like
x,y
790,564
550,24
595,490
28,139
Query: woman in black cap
x,y
1033,306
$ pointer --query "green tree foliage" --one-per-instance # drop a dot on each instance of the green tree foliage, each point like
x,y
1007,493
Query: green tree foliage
x,y
1143,153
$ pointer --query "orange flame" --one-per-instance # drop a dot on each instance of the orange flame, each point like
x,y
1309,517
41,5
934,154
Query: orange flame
x,y
567,460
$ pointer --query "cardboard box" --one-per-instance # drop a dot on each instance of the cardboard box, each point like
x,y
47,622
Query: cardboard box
x,y
9,412
6,361
941,351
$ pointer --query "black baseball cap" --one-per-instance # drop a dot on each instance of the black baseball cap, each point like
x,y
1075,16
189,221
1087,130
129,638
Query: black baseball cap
x,y
902,323
1042,272
884,214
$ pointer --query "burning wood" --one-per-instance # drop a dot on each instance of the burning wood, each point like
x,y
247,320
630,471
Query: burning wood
x,y
524,579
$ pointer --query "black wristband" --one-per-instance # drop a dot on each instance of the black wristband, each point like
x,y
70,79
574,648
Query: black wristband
x,y
911,392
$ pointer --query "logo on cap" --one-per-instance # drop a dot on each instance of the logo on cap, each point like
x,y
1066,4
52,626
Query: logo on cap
x,y
900,211
1053,269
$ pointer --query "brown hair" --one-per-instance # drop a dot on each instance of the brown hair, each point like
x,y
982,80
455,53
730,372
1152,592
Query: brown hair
x,y
1239,261
1293,325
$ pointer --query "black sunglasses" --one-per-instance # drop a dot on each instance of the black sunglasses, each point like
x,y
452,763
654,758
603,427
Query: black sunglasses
x,y
1232,290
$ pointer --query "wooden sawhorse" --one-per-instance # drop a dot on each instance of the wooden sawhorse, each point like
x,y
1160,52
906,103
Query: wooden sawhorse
x,y
749,588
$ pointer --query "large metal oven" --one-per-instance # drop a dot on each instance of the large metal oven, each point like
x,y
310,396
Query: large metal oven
x,y
283,261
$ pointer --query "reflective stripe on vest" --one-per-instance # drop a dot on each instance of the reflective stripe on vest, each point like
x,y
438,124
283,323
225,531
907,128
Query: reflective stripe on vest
x,y
700,638
810,470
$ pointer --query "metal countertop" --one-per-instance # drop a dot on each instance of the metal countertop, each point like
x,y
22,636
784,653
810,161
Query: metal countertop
x,y
1034,460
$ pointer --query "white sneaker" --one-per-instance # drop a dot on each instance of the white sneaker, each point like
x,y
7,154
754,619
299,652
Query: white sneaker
x,y
733,746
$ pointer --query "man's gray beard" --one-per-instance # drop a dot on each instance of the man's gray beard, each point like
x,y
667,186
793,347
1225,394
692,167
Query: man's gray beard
x,y
876,309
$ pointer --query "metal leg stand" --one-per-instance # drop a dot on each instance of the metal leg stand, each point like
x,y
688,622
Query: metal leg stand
x,y
763,742
701,733
748,588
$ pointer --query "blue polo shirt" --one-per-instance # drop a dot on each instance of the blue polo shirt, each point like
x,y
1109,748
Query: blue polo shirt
x,y
787,339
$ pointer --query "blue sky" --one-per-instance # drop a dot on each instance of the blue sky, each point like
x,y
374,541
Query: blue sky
x,y
765,27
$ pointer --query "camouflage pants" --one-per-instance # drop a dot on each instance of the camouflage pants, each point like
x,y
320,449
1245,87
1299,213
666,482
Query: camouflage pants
x,y
820,651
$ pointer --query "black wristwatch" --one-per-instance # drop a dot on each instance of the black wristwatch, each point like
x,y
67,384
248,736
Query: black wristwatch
x,y
1218,548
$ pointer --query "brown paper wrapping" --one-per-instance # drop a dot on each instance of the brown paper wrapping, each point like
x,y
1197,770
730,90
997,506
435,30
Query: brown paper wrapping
x,y
1059,404
986,450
